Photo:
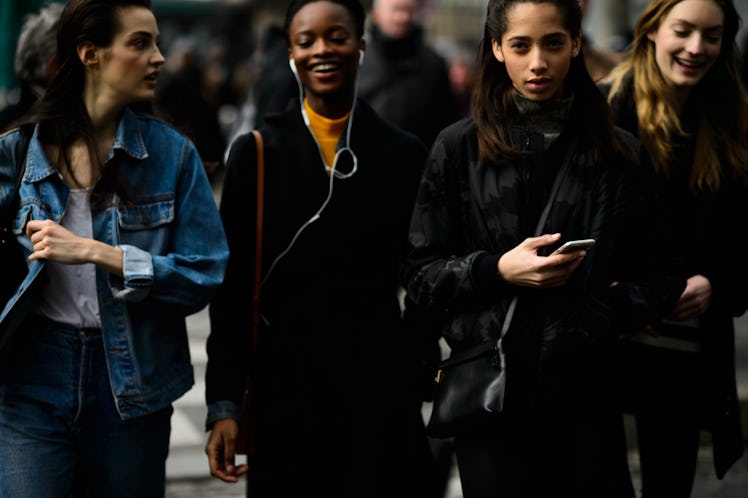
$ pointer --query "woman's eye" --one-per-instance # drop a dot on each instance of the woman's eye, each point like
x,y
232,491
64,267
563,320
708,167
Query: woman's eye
x,y
681,33
518,45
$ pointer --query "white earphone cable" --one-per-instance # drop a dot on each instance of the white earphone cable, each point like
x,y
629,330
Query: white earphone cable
x,y
333,173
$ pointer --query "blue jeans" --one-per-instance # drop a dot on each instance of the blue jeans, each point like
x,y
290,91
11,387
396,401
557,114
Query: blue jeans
x,y
58,420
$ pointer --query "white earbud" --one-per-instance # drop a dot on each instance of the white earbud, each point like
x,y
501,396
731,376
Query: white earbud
x,y
292,65
360,57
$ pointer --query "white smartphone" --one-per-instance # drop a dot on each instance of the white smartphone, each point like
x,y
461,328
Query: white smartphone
x,y
574,245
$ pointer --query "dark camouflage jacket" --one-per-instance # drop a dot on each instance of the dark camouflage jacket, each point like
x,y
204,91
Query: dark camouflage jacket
x,y
467,215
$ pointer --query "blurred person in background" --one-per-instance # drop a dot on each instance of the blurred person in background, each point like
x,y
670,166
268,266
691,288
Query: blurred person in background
x,y
35,60
402,78
462,73
599,61
462,61
185,99
276,85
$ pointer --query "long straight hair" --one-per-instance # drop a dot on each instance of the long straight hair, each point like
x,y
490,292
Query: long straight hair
x,y
61,114
719,101
492,93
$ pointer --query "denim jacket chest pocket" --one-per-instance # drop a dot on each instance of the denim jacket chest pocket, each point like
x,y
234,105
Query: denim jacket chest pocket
x,y
30,209
145,223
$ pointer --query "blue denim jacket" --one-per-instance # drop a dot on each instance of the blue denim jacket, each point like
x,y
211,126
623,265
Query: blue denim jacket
x,y
175,253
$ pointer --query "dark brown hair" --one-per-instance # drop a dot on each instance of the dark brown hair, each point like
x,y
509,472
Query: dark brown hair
x,y
61,113
492,93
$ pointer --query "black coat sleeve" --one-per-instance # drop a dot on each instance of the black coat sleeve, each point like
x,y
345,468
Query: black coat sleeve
x,y
228,345
648,271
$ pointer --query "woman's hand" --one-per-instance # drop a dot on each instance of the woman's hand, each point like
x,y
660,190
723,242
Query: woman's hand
x,y
54,242
220,451
695,299
523,266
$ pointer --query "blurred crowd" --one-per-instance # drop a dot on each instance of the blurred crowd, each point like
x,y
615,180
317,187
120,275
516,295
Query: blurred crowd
x,y
225,71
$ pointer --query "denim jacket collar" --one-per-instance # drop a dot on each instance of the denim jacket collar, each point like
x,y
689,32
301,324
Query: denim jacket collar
x,y
38,167
128,138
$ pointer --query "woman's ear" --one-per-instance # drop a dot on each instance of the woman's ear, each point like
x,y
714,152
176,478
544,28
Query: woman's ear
x,y
496,49
576,46
88,54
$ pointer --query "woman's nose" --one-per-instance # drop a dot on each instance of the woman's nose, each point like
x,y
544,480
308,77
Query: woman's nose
x,y
538,61
158,57
695,44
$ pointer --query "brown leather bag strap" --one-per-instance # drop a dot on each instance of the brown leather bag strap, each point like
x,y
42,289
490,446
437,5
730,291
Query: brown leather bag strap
x,y
258,237
245,440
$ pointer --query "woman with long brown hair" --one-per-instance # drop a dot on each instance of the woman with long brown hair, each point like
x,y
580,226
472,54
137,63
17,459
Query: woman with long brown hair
x,y
123,240
540,125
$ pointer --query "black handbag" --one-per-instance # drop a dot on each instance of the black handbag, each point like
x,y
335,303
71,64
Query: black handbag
x,y
12,258
469,386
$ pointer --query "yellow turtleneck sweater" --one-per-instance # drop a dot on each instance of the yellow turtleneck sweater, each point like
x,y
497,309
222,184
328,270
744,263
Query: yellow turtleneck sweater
x,y
327,132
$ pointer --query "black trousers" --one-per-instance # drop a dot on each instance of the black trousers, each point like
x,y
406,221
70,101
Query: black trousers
x,y
547,451
665,392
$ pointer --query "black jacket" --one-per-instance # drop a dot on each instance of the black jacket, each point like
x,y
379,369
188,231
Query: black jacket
x,y
468,215
705,225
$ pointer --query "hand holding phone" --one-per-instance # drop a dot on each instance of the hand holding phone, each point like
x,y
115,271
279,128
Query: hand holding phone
x,y
574,245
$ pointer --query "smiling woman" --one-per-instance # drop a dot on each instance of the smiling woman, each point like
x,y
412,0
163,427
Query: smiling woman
x,y
336,379
680,93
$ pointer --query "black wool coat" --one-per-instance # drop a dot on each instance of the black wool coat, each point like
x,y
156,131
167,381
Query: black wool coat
x,y
338,406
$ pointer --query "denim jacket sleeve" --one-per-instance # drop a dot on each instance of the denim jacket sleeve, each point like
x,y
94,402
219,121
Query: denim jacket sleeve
x,y
186,271
137,267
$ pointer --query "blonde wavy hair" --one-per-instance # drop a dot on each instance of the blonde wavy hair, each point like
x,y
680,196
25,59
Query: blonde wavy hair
x,y
721,103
